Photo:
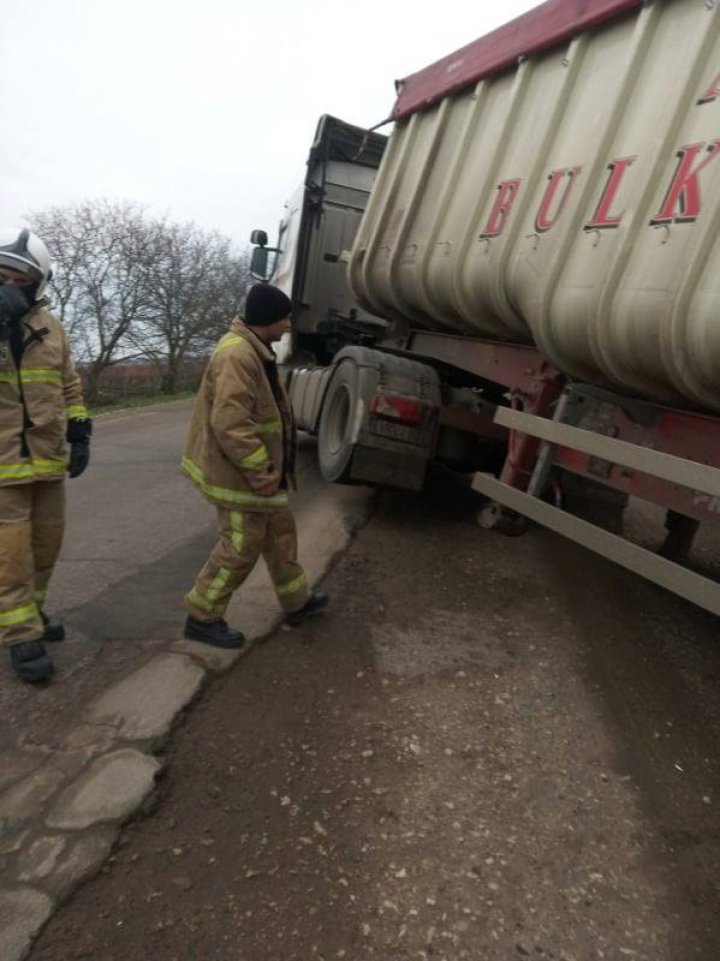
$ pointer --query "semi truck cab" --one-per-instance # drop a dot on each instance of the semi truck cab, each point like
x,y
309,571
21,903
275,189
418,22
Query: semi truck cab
x,y
318,228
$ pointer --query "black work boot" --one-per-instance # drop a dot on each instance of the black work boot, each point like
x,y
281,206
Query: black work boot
x,y
312,605
216,633
53,632
30,662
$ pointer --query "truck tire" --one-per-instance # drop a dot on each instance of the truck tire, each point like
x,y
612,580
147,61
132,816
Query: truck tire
x,y
335,446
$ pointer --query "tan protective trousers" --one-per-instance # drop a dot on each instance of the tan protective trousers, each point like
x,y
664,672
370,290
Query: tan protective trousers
x,y
244,536
32,521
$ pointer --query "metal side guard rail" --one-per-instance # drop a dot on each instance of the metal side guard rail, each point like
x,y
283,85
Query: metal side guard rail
x,y
700,477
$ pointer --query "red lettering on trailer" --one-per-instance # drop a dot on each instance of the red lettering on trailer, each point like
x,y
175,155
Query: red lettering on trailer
x,y
602,216
545,220
712,92
507,192
682,201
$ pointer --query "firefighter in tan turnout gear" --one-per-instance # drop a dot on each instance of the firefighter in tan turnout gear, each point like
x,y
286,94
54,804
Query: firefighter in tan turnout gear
x,y
240,454
41,410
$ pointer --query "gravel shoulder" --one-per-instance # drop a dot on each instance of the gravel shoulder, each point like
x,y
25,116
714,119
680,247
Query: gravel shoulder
x,y
486,748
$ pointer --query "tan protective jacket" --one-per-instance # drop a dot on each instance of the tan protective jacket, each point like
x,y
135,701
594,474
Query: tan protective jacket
x,y
36,402
241,445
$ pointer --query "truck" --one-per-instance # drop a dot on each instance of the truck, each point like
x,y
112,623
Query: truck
x,y
522,282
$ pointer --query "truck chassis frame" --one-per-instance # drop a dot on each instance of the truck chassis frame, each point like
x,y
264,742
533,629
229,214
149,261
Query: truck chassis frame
x,y
665,456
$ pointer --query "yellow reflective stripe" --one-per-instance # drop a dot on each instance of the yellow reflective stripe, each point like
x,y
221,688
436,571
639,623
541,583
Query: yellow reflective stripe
x,y
197,600
231,496
32,469
208,601
229,340
33,376
77,410
217,584
48,466
19,615
270,427
41,376
237,528
16,471
293,587
256,459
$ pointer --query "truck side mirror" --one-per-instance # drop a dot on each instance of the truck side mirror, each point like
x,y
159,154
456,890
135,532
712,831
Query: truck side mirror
x,y
259,262
259,237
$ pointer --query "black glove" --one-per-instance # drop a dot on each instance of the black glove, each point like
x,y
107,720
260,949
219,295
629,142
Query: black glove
x,y
13,305
78,436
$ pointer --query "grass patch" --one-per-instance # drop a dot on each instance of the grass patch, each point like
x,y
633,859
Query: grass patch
x,y
148,400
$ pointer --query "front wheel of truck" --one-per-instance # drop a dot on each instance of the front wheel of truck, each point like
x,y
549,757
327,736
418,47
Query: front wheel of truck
x,y
337,420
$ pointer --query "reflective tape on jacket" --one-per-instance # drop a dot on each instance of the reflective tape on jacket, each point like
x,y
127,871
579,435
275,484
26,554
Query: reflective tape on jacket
x,y
228,495
35,468
229,340
292,587
19,615
270,427
255,460
237,528
213,599
39,376
76,412
197,600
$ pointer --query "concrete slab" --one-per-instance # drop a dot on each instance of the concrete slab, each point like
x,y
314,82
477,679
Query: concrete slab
x,y
17,765
83,857
41,857
22,914
213,659
12,840
92,737
27,798
109,790
145,703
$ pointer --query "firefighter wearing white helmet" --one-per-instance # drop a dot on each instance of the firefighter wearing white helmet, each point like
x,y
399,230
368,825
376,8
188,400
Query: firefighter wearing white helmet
x,y
41,412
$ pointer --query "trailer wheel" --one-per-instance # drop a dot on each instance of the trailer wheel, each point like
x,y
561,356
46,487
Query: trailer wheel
x,y
335,446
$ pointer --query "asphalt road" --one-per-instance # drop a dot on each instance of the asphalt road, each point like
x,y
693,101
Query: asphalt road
x,y
137,533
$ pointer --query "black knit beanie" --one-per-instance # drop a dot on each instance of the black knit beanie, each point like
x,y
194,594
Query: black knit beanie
x,y
265,305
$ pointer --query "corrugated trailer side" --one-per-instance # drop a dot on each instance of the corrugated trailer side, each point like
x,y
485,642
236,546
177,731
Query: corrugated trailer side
x,y
557,183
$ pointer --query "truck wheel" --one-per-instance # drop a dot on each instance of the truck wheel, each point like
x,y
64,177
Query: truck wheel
x,y
335,447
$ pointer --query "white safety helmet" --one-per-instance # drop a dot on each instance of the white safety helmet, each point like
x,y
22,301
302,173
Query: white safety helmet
x,y
23,251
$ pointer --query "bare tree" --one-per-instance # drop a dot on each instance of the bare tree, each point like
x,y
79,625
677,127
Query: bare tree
x,y
194,285
128,286
98,248
65,232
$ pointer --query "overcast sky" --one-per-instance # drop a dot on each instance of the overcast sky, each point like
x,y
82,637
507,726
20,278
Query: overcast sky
x,y
202,110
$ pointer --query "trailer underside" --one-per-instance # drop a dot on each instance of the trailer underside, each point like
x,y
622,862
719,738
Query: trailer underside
x,y
668,457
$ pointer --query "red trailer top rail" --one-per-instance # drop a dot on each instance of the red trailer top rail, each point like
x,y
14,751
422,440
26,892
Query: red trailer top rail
x,y
551,23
